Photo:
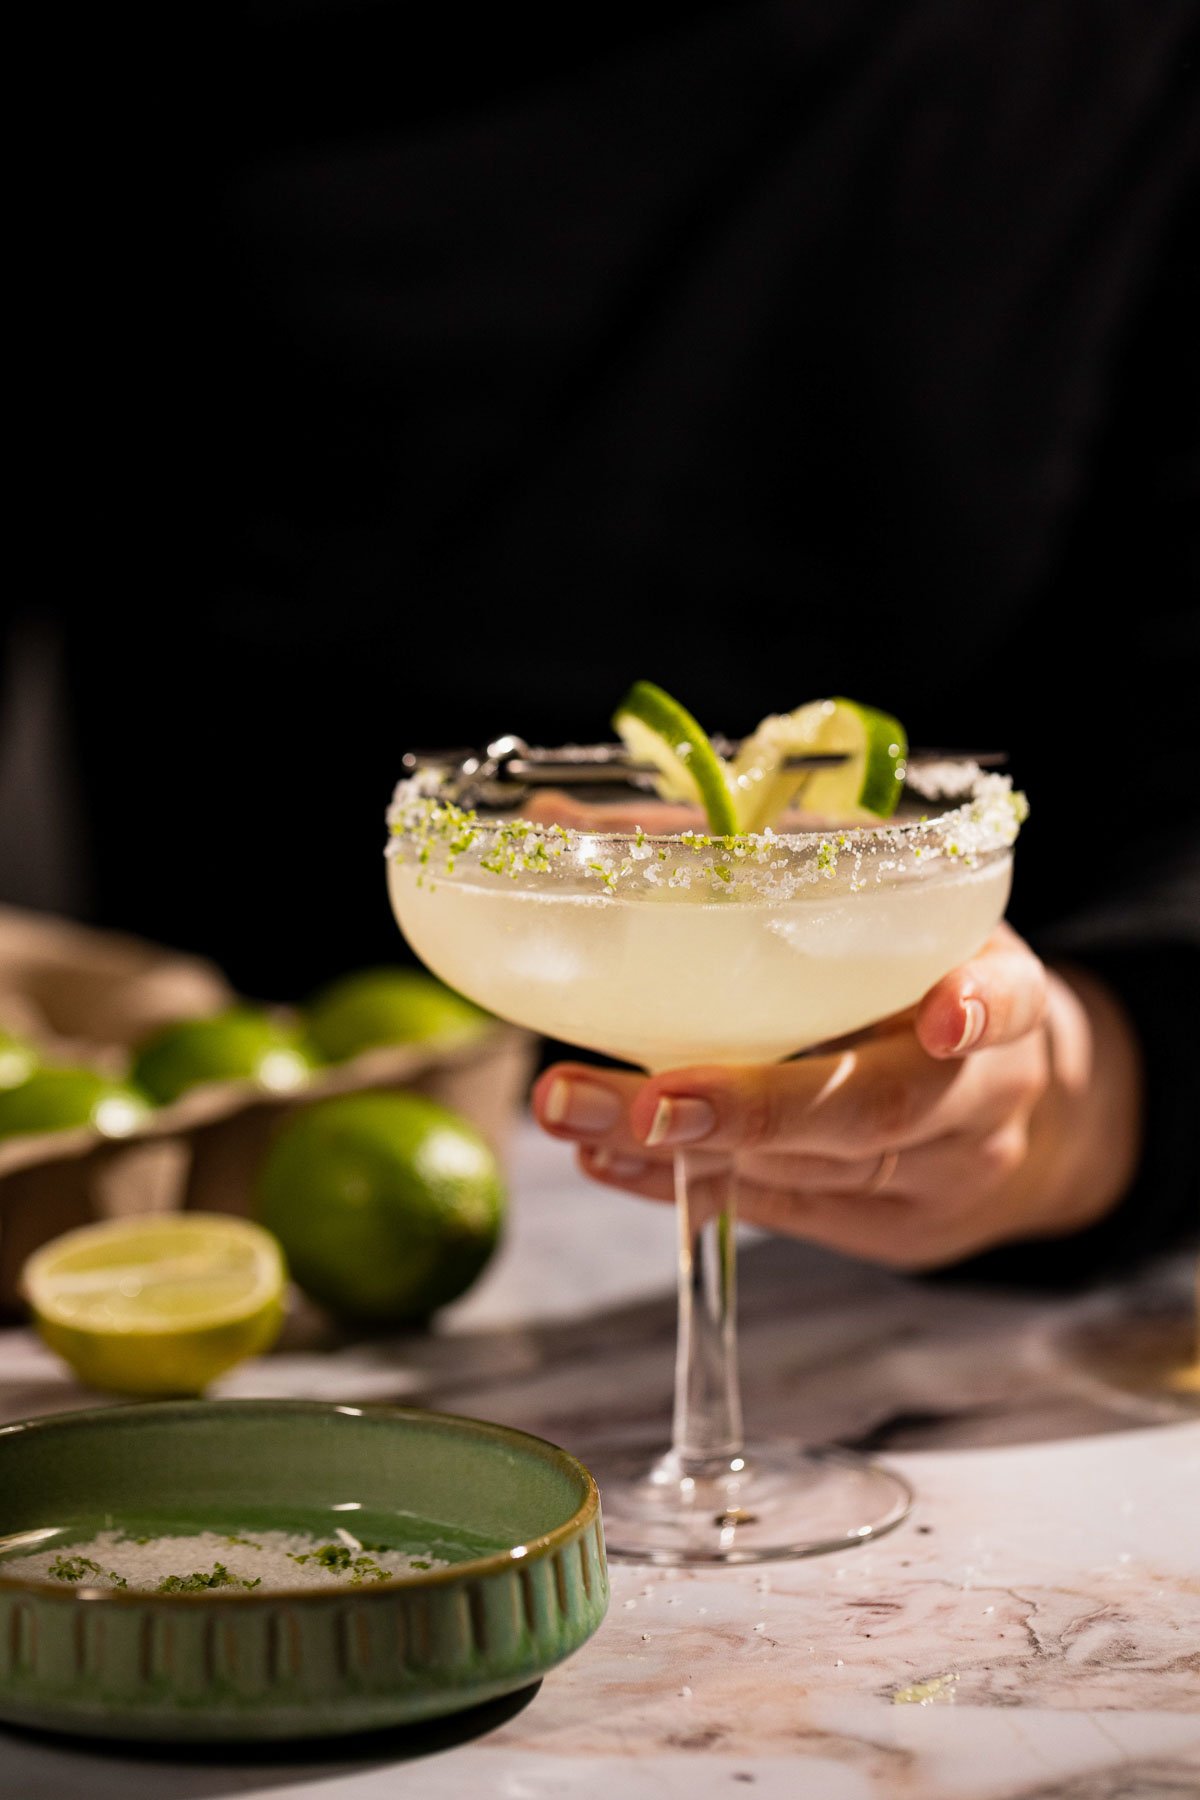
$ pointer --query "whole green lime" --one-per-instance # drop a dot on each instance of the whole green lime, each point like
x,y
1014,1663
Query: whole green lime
x,y
63,1099
386,1204
18,1060
387,1006
242,1044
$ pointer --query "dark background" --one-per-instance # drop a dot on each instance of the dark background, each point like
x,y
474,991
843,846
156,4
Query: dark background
x,y
403,380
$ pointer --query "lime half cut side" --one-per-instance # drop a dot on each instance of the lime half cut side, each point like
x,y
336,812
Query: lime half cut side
x,y
655,729
158,1305
865,787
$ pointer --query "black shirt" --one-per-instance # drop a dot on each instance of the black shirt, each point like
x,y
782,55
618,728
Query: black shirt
x,y
465,372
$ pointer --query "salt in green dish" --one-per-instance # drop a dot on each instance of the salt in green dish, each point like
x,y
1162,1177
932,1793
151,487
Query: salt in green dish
x,y
517,1520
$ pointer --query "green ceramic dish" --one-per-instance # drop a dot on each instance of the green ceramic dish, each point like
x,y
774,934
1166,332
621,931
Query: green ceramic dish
x,y
518,1519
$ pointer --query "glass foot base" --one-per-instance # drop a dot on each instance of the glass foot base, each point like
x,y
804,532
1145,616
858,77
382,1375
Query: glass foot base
x,y
772,1502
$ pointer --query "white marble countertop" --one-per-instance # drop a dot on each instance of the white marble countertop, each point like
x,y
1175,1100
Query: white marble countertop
x,y
1032,1631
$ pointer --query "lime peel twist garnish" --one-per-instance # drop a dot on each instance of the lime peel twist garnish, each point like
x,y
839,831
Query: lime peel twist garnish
x,y
860,790
751,794
655,729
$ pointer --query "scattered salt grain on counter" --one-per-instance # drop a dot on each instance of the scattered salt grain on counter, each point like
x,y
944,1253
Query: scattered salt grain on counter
x,y
212,1561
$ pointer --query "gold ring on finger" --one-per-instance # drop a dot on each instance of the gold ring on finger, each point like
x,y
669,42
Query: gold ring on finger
x,y
880,1177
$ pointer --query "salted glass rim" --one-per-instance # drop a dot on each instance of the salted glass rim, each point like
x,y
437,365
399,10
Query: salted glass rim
x,y
977,817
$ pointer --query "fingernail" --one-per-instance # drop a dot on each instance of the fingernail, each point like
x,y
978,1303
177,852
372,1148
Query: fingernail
x,y
625,1168
974,1024
679,1120
581,1105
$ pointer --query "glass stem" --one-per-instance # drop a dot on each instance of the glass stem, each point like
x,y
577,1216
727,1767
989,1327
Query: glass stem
x,y
708,1407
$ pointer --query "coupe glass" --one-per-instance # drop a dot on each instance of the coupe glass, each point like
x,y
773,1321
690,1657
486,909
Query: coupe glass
x,y
670,948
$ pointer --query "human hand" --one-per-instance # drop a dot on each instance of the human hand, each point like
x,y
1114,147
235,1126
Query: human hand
x,y
1004,1106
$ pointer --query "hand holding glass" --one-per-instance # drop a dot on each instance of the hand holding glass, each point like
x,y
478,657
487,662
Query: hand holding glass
x,y
671,949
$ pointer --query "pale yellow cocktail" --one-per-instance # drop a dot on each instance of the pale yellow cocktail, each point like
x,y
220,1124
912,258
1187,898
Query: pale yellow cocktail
x,y
663,977
669,949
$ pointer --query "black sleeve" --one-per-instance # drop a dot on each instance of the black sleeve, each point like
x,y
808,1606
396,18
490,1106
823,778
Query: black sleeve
x,y
1159,987
1114,836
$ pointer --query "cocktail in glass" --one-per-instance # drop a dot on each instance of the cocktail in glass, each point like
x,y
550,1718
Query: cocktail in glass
x,y
671,948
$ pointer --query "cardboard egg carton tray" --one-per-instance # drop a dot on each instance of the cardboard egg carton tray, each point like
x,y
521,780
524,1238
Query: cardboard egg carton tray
x,y
88,997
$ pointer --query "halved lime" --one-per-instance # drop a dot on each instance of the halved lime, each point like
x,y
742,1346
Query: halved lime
x,y
866,786
158,1304
655,729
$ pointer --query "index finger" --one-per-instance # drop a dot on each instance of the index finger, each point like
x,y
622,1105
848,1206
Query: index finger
x,y
885,1094
552,806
